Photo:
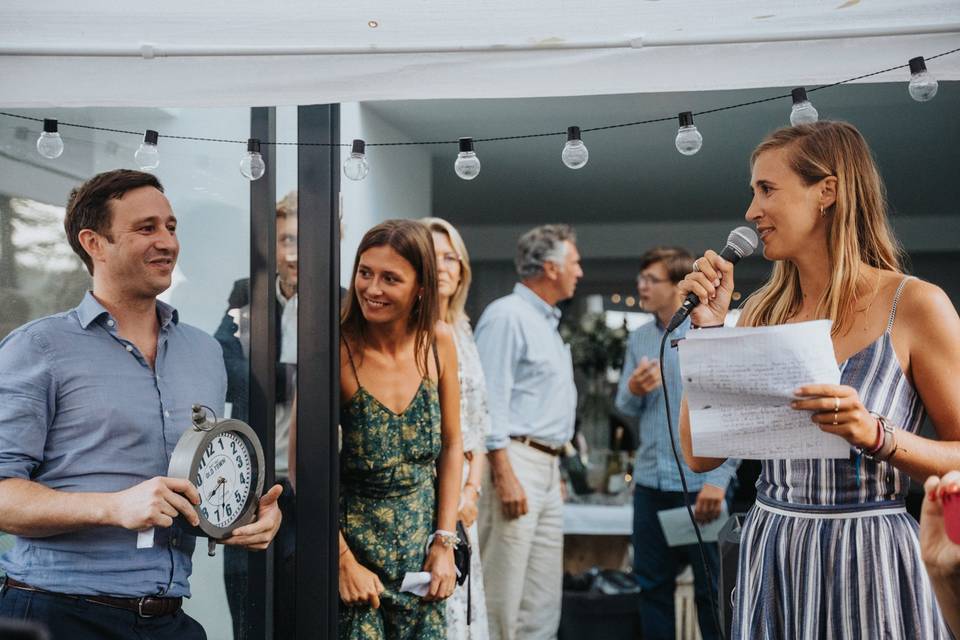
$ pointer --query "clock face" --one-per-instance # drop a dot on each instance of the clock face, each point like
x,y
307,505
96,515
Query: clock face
x,y
224,476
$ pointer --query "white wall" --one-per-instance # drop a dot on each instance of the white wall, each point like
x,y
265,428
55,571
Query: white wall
x,y
399,184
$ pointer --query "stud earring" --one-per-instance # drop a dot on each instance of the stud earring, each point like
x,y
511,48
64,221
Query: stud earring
x,y
823,213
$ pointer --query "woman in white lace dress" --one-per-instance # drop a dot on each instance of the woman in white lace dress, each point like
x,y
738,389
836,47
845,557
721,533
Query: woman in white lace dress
x,y
453,280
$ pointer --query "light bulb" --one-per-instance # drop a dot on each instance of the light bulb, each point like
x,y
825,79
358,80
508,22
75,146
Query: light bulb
x,y
467,164
50,144
574,154
252,166
689,139
923,86
803,111
356,167
146,156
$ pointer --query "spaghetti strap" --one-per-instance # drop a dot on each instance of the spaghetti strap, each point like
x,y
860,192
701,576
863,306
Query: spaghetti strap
x,y
896,299
436,361
350,357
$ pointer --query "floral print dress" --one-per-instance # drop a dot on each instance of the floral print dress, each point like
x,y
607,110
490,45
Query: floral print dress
x,y
387,508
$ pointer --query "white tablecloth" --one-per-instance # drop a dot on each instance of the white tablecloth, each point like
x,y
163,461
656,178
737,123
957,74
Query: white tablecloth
x,y
598,520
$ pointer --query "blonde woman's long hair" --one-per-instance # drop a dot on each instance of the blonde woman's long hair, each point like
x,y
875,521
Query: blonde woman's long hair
x,y
458,301
859,231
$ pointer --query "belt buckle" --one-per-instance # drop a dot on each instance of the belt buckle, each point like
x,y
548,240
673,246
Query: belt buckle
x,y
140,608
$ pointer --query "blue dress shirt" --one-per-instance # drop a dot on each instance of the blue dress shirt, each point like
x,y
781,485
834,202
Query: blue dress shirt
x,y
655,466
528,369
82,411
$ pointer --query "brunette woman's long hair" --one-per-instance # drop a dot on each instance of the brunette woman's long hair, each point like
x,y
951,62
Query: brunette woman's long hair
x,y
413,242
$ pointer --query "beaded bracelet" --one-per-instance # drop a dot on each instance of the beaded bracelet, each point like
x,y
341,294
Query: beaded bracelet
x,y
449,539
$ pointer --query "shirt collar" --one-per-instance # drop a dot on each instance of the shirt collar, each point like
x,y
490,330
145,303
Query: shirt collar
x,y
547,310
90,310
282,299
680,331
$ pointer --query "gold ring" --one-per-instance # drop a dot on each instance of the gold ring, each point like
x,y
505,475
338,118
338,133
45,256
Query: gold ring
x,y
836,404
835,418
696,264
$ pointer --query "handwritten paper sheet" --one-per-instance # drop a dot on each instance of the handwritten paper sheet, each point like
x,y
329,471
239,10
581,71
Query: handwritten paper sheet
x,y
740,381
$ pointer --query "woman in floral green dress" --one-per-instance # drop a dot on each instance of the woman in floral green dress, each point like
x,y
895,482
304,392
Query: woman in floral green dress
x,y
402,455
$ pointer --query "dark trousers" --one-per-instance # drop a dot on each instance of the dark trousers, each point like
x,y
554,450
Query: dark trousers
x,y
656,566
235,571
71,618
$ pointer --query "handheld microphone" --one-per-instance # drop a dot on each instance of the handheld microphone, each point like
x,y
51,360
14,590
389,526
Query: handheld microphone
x,y
741,242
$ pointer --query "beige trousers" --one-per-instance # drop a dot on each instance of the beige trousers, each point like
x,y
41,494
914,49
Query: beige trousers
x,y
523,558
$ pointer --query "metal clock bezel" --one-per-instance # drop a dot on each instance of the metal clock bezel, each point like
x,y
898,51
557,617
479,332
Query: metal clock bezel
x,y
185,460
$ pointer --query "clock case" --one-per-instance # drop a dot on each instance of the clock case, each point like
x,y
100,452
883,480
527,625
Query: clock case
x,y
185,461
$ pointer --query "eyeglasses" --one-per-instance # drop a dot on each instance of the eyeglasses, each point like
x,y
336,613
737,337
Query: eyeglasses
x,y
447,259
643,279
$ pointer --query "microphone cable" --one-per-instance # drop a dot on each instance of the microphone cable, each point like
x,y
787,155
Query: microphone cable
x,y
686,496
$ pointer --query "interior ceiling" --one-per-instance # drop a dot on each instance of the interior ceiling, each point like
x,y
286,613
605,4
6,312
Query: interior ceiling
x,y
636,175
455,22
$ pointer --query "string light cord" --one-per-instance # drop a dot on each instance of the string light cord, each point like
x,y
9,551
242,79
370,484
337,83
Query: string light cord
x,y
527,136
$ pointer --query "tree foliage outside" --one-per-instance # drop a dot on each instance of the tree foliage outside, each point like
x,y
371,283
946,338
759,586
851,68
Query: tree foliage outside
x,y
39,273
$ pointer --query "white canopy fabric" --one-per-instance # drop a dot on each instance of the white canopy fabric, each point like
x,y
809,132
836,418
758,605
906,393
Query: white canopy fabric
x,y
241,53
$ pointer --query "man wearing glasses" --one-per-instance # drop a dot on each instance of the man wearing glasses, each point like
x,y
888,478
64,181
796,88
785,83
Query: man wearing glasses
x,y
657,480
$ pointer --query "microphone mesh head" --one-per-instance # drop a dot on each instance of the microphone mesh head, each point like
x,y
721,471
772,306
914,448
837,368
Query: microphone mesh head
x,y
743,240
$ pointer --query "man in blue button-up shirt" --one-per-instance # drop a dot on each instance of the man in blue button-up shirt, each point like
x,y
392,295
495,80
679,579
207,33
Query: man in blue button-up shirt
x,y
532,402
92,404
658,487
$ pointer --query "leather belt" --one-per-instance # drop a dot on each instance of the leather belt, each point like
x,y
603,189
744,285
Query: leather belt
x,y
145,607
539,446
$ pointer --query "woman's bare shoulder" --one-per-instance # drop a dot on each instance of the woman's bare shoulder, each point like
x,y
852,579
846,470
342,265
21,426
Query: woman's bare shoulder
x,y
925,306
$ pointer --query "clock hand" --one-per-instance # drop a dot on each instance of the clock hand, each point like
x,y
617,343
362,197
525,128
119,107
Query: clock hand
x,y
220,481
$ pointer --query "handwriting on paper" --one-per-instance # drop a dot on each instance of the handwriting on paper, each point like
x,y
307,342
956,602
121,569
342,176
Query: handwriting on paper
x,y
739,383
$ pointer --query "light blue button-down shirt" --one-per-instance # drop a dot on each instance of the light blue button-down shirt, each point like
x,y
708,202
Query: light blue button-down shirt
x,y
655,466
82,411
528,369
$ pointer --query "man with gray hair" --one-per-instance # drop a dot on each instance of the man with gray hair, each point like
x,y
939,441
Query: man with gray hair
x,y
532,401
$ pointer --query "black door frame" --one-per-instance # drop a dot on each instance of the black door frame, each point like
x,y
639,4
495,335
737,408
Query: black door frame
x,y
318,375
258,605
318,380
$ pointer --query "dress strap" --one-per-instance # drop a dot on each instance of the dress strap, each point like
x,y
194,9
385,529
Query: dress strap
x,y
436,360
350,357
896,299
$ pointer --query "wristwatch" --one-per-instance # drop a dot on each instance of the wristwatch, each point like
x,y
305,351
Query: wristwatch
x,y
889,445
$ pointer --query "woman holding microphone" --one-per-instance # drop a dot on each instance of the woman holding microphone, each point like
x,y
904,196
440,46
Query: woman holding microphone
x,y
828,550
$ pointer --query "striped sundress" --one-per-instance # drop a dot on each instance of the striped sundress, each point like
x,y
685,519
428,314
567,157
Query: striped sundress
x,y
828,552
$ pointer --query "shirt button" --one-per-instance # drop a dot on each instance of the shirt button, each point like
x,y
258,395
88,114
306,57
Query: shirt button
x,y
129,347
166,413
110,323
